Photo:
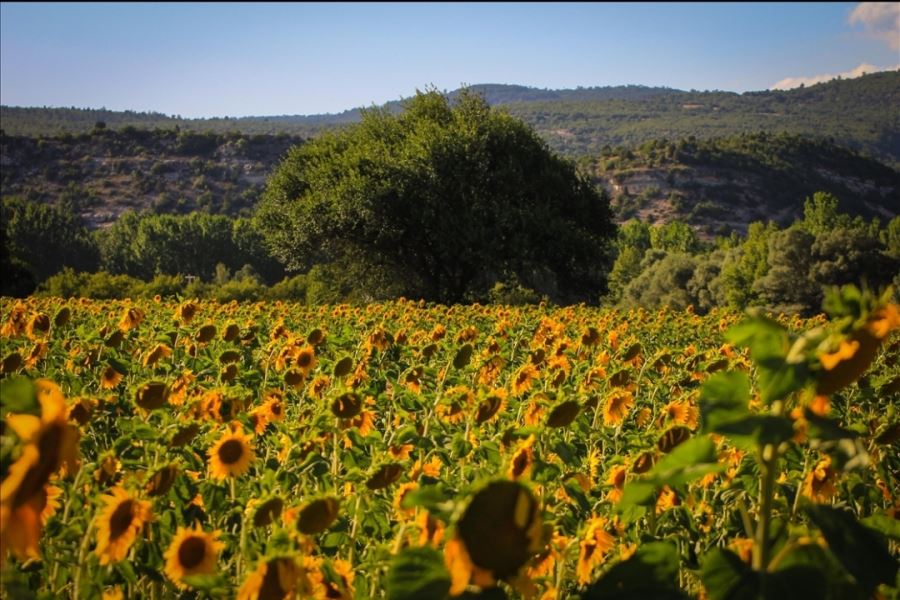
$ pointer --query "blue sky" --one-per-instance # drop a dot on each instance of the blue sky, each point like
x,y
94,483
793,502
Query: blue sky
x,y
233,59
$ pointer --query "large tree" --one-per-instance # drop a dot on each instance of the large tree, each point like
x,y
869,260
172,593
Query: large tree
x,y
443,200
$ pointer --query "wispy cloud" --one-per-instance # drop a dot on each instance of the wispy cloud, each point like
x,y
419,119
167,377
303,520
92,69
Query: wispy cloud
x,y
863,69
880,20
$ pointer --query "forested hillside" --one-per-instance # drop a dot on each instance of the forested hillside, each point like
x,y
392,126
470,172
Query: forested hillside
x,y
859,113
717,185
106,172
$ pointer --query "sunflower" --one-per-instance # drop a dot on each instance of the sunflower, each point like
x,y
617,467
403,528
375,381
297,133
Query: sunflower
x,y
231,455
185,313
616,478
121,519
192,552
131,319
156,354
278,578
523,379
305,359
616,408
50,443
667,499
48,502
110,378
522,459
596,543
818,485
38,326
402,491
431,530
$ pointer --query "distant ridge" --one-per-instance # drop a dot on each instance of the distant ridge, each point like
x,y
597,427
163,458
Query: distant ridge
x,y
859,113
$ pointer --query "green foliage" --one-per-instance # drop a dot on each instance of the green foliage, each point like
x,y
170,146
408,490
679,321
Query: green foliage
x,y
580,121
448,197
40,239
651,572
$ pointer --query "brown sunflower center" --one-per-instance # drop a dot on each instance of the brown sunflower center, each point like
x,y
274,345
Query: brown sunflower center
x,y
231,452
304,359
191,552
121,519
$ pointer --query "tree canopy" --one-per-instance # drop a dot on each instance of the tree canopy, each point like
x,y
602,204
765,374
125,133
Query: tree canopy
x,y
443,202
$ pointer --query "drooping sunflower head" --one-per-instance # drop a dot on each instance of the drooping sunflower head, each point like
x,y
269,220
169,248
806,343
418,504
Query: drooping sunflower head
x,y
231,455
616,408
277,578
120,521
192,552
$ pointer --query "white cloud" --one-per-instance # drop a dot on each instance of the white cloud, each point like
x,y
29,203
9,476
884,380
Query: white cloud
x,y
863,69
880,20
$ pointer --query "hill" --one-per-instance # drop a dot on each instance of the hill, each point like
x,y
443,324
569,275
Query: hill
x,y
723,184
858,113
716,185
106,172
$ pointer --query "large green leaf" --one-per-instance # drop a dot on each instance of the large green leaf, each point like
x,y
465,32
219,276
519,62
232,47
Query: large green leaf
x,y
651,573
418,573
862,551
726,577
18,395
689,461
770,345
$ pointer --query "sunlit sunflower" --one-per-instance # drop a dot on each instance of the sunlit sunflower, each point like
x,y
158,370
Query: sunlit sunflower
x,y
131,318
110,378
818,485
192,552
186,312
50,442
431,530
402,491
522,459
616,407
597,541
667,499
305,359
48,502
523,379
616,479
277,578
156,354
119,523
231,455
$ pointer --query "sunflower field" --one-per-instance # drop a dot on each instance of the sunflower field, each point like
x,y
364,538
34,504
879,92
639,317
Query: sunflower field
x,y
155,449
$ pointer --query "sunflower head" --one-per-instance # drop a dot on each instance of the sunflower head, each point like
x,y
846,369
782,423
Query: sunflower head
x,y
121,519
275,579
192,552
231,455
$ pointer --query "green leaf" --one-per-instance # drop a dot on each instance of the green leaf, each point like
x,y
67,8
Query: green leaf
x,y
823,428
726,577
434,498
418,573
724,398
17,395
888,526
862,551
769,345
214,585
651,572
765,429
689,461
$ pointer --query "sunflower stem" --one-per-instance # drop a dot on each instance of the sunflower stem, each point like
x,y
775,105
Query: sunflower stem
x,y
353,529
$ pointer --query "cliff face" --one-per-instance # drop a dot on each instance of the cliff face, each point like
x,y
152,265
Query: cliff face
x,y
723,185
106,173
